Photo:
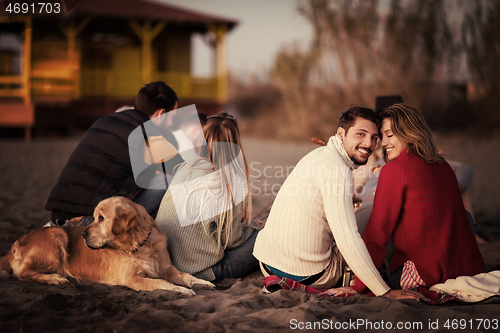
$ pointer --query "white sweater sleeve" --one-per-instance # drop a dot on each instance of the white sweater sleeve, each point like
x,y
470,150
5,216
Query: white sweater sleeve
x,y
340,216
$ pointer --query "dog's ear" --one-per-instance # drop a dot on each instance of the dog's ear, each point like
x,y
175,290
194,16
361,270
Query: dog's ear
x,y
24,240
142,228
145,220
125,218
7,259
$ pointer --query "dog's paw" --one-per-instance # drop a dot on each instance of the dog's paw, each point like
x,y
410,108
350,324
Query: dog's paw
x,y
4,275
54,279
202,283
183,291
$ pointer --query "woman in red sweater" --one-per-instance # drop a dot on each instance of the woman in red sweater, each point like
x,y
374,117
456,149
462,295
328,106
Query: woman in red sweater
x,y
418,206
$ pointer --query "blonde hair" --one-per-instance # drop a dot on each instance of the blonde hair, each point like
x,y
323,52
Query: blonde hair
x,y
409,125
222,128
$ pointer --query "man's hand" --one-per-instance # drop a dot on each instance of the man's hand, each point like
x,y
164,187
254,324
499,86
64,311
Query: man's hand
x,y
404,294
340,291
393,293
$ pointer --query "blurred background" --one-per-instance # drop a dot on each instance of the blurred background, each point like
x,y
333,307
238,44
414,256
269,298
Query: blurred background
x,y
296,64
440,56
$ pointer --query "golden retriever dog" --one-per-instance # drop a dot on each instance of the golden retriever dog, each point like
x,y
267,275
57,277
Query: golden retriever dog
x,y
122,247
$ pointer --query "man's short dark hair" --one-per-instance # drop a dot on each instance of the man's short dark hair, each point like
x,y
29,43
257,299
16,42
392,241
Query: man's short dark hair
x,y
155,96
348,118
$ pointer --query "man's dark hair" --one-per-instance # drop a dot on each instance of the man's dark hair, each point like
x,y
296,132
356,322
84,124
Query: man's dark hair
x,y
154,96
348,118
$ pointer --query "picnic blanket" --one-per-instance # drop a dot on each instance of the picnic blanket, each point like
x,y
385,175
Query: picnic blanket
x,y
465,289
471,289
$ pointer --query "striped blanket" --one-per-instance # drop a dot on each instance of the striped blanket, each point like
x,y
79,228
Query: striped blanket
x,y
274,283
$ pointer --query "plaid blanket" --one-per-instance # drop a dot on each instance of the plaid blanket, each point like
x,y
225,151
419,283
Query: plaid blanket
x,y
274,283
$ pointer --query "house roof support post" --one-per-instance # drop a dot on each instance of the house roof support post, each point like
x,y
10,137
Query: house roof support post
x,y
146,33
220,60
26,61
71,31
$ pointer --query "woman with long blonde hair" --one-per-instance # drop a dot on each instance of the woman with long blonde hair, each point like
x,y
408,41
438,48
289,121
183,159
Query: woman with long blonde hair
x,y
418,206
206,205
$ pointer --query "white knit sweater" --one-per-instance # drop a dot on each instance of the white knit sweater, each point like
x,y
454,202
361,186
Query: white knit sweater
x,y
312,211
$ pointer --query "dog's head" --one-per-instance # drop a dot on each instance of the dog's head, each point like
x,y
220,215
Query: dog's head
x,y
118,223
6,261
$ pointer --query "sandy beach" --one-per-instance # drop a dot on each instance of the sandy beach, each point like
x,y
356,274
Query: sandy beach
x,y
29,170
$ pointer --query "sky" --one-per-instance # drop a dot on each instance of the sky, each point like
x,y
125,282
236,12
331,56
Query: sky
x,y
264,27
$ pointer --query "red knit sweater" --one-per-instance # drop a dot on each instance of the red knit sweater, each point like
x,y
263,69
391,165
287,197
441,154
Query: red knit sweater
x,y
419,205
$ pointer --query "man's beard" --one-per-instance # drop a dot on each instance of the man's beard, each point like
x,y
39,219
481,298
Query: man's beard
x,y
360,162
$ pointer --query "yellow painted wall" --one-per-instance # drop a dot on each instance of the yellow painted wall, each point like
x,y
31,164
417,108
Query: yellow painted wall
x,y
173,47
127,71
112,71
52,74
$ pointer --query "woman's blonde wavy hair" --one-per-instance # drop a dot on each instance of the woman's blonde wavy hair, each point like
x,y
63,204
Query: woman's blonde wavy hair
x,y
409,125
219,129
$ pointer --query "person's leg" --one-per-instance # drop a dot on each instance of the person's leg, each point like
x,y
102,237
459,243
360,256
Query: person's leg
x,y
85,221
335,269
384,270
333,272
394,278
151,197
237,262
362,217
151,200
471,222
326,279
81,221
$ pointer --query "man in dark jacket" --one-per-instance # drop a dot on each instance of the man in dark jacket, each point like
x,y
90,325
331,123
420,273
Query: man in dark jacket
x,y
100,165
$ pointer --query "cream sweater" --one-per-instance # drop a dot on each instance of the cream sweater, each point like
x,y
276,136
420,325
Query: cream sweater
x,y
312,211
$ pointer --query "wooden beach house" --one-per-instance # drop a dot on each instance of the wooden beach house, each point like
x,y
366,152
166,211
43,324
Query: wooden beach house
x,y
95,57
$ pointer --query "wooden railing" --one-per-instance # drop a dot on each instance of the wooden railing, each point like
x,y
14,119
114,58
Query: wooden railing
x,y
64,83
58,79
187,86
11,86
127,84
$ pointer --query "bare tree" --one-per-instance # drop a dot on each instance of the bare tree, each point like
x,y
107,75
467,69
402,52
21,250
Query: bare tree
x,y
365,48
359,53
481,42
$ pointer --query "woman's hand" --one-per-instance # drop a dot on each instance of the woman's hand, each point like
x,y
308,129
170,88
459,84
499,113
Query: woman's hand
x,y
340,291
404,294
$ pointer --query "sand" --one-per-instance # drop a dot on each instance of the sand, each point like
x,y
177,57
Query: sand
x,y
29,170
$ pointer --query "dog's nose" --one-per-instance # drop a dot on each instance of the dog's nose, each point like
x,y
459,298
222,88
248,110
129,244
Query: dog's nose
x,y
84,233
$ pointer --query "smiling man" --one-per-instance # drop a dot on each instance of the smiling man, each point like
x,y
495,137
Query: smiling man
x,y
312,223
359,135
